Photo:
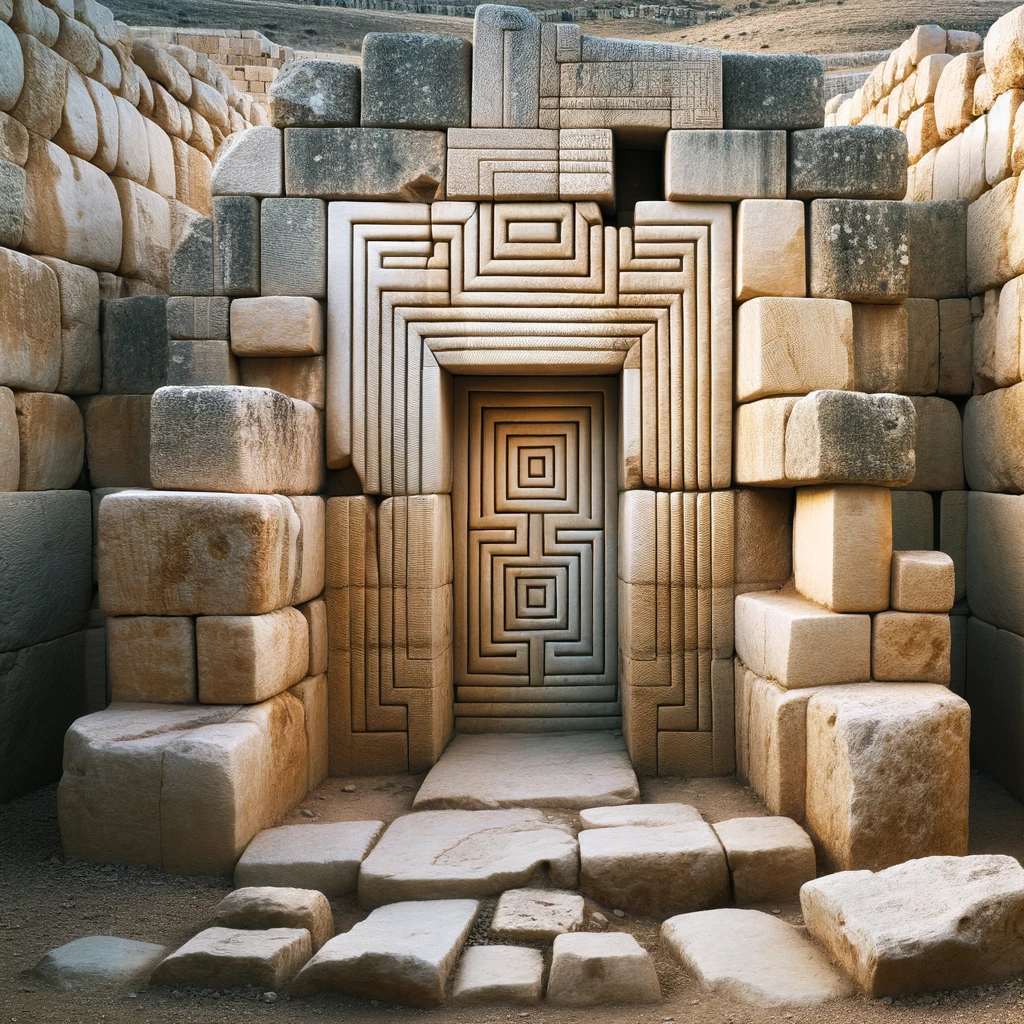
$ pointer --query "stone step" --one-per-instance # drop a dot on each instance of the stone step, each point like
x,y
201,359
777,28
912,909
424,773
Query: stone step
x,y
593,970
536,915
262,907
499,974
100,961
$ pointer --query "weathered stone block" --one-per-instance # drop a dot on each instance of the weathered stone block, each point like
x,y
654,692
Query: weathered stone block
x,y
536,915
12,203
300,377
191,269
134,345
236,245
954,95
12,78
593,970
277,325
152,658
99,961
955,371
10,446
146,236
79,290
117,440
250,163
939,460
13,135
315,94
40,103
193,363
922,377
762,539
990,236
781,91
759,442
769,858
725,165
771,249
848,162
198,318
51,441
499,974
910,647
922,581
312,691
937,249
260,907
880,348
293,239
29,323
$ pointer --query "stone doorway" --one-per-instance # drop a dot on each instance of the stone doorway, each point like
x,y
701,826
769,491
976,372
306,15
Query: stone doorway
x,y
534,509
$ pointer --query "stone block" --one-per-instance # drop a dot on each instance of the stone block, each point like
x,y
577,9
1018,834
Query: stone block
x,y
595,970
325,857
973,143
277,325
237,439
990,235
652,871
12,203
415,81
161,162
759,442
310,564
161,67
315,94
506,48
146,235
13,138
315,614
51,441
781,636
859,250
922,133
250,163
402,953
299,377
762,539
219,958
134,345
922,581
995,528
30,347
10,446
99,961
244,659
902,930
842,547
176,553
999,147
995,351
293,240
499,974
955,372
773,91
769,858
910,647
12,79
262,907
922,347
639,815
79,291
946,171
880,348
133,143
989,441
365,163
117,440
40,104
191,269
953,537
954,95
536,915
312,691
152,659
1004,60
725,165
771,249
888,773
788,346
201,362
236,245
517,163
198,317
848,162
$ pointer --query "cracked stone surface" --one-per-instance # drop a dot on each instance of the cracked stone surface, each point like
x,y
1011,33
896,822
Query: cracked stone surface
x,y
537,915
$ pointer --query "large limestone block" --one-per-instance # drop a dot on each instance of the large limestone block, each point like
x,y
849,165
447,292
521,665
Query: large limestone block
x,y
848,162
315,93
725,165
1004,55
753,957
146,234
161,162
152,659
946,171
117,440
237,439
954,95
888,773
98,961
402,953
922,581
995,559
40,105
365,163
594,970
79,290
536,915
654,871
781,91
910,647
441,854
499,974
787,346
646,815
10,446
315,614
312,692
29,323
77,44
51,441
762,539
180,788
12,77
132,144
12,203
176,553
160,66
259,907
922,132
939,462
299,377
880,348
311,552
932,923
277,325
973,144
999,147
769,858
13,140
79,130
759,442
244,659
293,240
842,547
250,163
922,347
208,103
781,636
991,232
771,249
990,440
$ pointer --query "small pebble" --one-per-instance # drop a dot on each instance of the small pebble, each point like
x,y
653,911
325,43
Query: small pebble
x,y
887,1000
350,788
270,997
619,913
307,813
776,911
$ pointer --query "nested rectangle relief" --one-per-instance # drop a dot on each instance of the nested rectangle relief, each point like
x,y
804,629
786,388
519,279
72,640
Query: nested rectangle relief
x,y
535,521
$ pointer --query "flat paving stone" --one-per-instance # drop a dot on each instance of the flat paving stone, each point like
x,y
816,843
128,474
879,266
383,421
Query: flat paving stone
x,y
323,857
754,957
434,855
277,907
592,970
96,961
638,814
401,953
769,858
536,915
499,974
570,770
236,957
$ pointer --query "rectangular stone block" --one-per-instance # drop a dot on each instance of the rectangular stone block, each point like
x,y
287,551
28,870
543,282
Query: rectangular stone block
x,y
946,171
146,238
954,95
989,225
922,347
762,541
972,160
759,442
939,459
312,691
236,246
51,441
315,614
310,567
191,317
293,247
953,535
134,345
79,288
848,162
999,148
191,269
910,647
880,348
503,163
955,372
771,249
152,659
12,203
586,167
250,163
725,165
995,559
277,325
320,92
300,377
922,133
117,439
199,363
780,91
237,439
923,581
30,331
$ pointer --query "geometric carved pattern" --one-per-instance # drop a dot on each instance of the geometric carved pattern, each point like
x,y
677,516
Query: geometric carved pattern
x,y
535,543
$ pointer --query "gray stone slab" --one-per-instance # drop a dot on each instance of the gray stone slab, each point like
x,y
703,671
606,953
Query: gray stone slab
x,y
365,163
134,340
569,770
415,80
499,974
250,163
192,260
201,362
97,961
315,94
721,165
293,243
12,204
192,317
785,91
506,67
863,161
650,815
938,248
236,246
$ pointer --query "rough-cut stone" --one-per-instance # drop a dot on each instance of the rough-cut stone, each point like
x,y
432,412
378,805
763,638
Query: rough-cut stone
x,y
910,647
365,163
277,325
117,440
41,101
638,814
236,245
922,377
954,94
754,958
939,463
233,957
594,970
780,91
1004,57
315,93
12,77
415,81
888,773
51,441
325,857
191,271
29,323
769,858
134,345
197,318
250,163
13,136
442,854
654,871
991,235
771,249
12,203
10,446
932,923
300,377
402,953
922,581
536,915
725,165
260,907
848,162
293,239
97,961
880,348
152,658
995,546
499,974
572,771
80,372
199,363
991,440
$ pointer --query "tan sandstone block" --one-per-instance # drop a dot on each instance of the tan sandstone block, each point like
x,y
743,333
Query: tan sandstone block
x,y
315,613
928,73
762,539
939,446
312,691
910,647
152,658
278,325
973,145
880,347
946,172
771,248
759,442
922,347
40,105
29,323
10,451
108,126
51,441
993,245
310,571
146,238
301,377
923,581
133,143
954,95
769,858
79,130
922,132
117,439
999,149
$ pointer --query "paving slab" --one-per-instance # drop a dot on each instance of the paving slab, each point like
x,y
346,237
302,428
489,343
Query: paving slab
x,y
323,857
769,858
537,915
401,953
754,957
434,855
593,970
97,961
499,974
569,770
277,907
638,814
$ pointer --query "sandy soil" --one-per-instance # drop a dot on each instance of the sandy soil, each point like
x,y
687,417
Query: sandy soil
x,y
46,901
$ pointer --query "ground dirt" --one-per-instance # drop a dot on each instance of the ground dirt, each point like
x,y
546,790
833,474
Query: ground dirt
x,y
46,901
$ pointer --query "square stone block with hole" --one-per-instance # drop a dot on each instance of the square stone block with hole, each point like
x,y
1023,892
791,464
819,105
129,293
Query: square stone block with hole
x,y
780,91
725,165
910,647
769,858
293,247
262,907
277,325
152,658
595,970
315,93
848,162
499,974
771,249
888,773
922,581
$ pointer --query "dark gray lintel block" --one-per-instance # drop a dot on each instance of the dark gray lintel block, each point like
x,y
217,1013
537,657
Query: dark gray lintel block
x,y
293,241
12,204
236,246
760,90
202,316
938,249
134,345
46,540
721,165
365,163
415,81
315,94
192,260
201,362
862,161
859,250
